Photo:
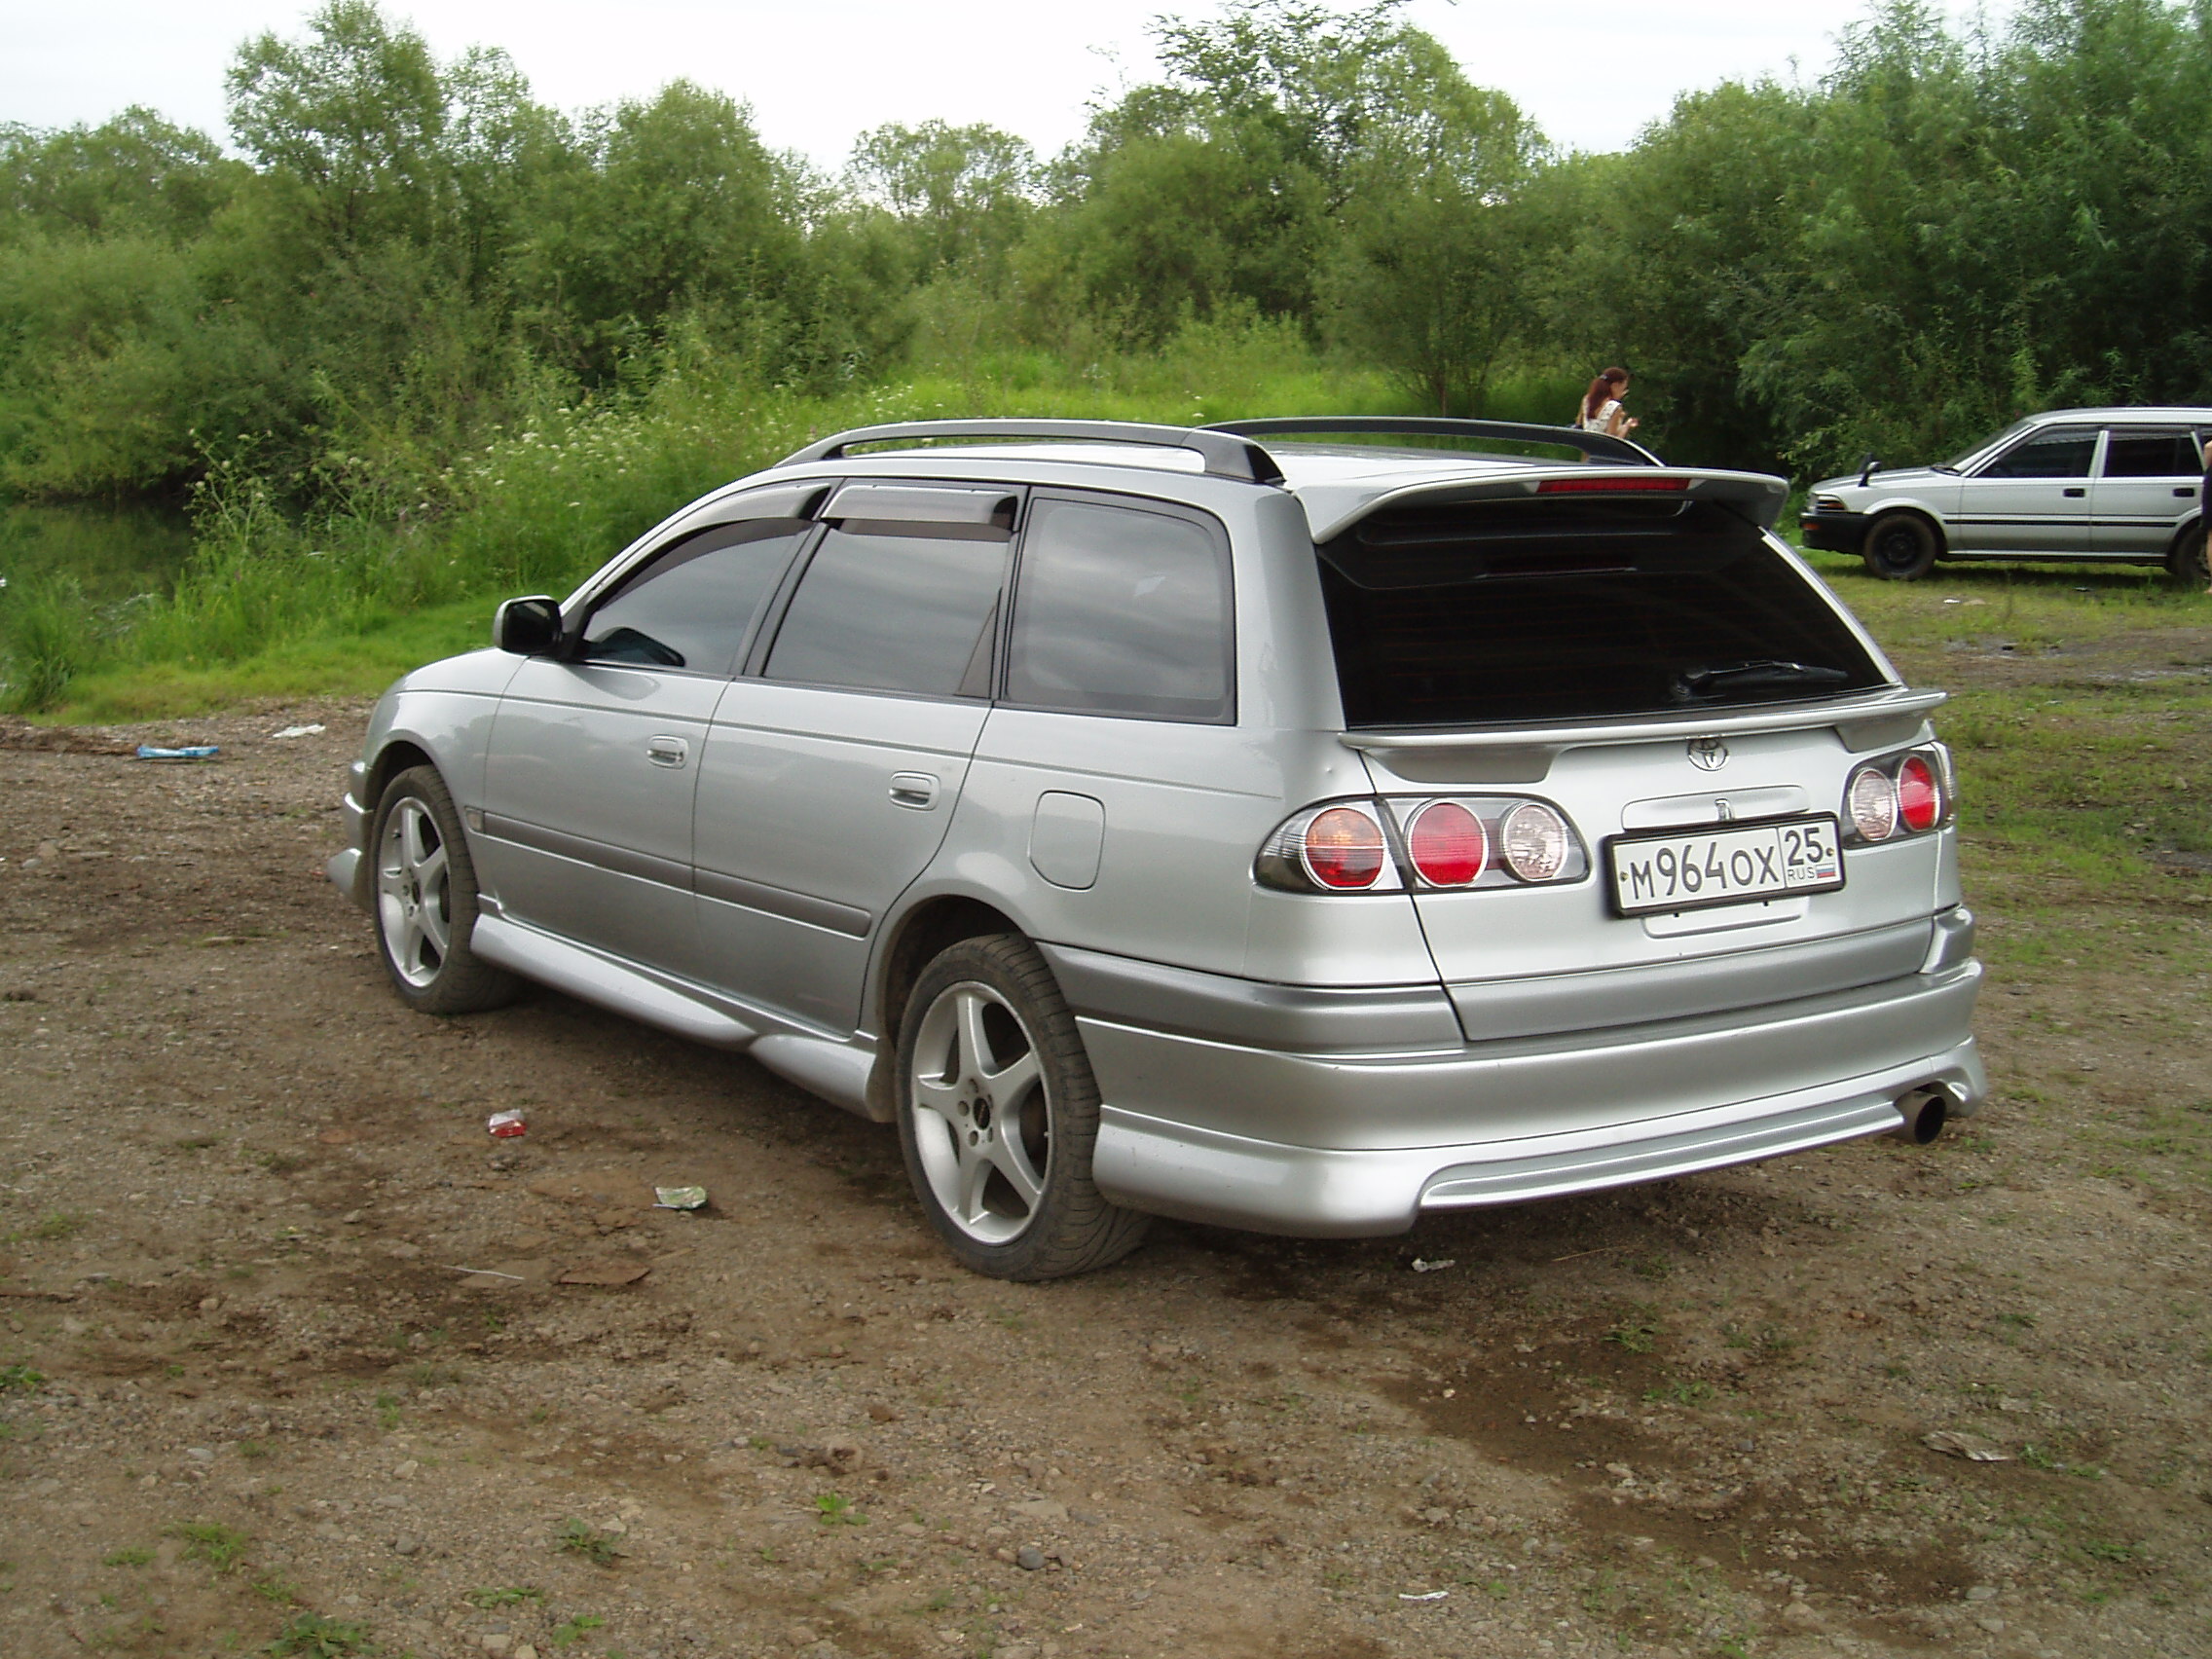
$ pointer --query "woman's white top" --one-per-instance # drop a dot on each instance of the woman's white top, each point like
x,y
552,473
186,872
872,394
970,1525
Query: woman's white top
x,y
1602,420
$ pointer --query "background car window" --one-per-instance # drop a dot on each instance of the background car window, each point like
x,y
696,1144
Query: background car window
x,y
1121,611
2152,455
2050,455
896,607
689,607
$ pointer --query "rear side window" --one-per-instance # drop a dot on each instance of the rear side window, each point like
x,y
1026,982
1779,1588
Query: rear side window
x,y
693,603
2050,455
888,606
2152,455
1470,615
1122,610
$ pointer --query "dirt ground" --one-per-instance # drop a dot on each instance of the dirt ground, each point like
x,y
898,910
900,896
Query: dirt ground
x,y
285,1333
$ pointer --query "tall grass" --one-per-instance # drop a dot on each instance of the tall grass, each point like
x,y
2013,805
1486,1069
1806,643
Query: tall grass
x,y
546,502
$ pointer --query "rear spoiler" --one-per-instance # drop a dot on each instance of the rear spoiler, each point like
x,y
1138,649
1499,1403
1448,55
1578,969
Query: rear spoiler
x,y
1331,509
1870,721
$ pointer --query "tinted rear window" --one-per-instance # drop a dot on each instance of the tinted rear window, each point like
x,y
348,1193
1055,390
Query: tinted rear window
x,y
1460,615
893,607
2151,454
1121,611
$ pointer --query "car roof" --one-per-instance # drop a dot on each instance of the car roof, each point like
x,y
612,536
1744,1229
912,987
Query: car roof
x,y
2179,413
1336,485
1364,463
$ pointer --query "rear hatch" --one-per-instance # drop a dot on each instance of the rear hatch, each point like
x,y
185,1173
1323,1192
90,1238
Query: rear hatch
x,y
1645,659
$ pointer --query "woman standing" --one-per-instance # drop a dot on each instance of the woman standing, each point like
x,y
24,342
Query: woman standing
x,y
1602,409
2205,517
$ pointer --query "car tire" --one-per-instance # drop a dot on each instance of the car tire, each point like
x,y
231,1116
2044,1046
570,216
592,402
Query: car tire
x,y
2186,563
998,1115
1900,547
424,884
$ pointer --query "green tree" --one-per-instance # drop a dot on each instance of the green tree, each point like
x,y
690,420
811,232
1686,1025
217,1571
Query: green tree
x,y
961,191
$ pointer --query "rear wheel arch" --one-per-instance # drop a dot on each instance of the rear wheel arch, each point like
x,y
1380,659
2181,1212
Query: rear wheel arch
x,y
922,935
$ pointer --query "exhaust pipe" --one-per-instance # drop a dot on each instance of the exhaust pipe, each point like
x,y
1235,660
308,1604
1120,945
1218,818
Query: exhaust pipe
x,y
1925,1111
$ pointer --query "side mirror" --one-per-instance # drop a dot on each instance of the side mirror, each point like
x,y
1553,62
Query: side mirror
x,y
1867,468
528,627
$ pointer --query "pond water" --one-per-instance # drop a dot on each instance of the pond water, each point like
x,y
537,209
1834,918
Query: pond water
x,y
115,550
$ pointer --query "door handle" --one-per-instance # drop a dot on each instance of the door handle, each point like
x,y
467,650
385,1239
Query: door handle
x,y
667,751
2073,494
2186,492
915,790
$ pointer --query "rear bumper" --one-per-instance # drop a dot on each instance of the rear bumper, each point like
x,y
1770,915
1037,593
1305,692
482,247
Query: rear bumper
x,y
1834,533
1362,1143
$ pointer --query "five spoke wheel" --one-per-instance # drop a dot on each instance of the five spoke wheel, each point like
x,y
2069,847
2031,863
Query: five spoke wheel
x,y
982,1128
414,893
425,900
998,1116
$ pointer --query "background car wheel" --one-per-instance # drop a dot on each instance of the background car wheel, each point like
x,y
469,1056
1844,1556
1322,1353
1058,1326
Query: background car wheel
x,y
1900,547
425,900
2186,563
998,1112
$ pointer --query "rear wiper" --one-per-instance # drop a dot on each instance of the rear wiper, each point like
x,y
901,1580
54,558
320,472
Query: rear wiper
x,y
1696,683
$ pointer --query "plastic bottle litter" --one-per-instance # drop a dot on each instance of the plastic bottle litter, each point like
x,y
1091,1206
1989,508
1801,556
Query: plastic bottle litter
x,y
298,731
508,1126
680,1197
196,751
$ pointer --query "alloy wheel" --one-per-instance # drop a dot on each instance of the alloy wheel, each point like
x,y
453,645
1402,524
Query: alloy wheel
x,y
414,893
981,1122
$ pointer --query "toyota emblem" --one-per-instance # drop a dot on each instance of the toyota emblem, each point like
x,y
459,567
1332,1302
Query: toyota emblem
x,y
1708,754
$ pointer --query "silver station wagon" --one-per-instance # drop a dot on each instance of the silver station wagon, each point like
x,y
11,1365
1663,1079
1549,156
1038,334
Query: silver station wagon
x,y
2112,486
1302,825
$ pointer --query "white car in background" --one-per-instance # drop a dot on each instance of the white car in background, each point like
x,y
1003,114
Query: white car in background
x,y
2114,486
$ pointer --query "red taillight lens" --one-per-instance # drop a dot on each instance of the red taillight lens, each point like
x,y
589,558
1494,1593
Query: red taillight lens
x,y
1342,848
1448,845
1873,802
1920,798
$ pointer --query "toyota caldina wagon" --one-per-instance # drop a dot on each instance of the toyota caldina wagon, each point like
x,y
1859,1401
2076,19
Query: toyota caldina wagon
x,y
1290,824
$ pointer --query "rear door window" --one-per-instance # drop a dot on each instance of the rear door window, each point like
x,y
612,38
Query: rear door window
x,y
1121,609
890,605
2151,454
693,603
1544,610
2064,454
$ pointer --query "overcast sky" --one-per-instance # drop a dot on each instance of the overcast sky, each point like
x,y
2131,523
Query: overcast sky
x,y
819,73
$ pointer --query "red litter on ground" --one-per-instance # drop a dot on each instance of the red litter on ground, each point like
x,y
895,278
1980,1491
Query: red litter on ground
x,y
508,1126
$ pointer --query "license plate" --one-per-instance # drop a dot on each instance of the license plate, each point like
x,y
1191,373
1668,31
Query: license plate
x,y
1689,872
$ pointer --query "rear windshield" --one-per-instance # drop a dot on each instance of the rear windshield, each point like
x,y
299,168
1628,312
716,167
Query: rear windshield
x,y
1542,611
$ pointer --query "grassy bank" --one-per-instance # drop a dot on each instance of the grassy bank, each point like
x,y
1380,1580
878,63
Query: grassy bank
x,y
402,567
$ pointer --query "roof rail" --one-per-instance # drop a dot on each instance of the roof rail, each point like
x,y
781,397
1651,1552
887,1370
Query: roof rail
x,y
1226,455
1597,445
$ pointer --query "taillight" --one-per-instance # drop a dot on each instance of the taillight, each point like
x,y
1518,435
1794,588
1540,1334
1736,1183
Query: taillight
x,y
1536,842
1447,844
1426,843
1920,802
1873,802
1342,849
1901,795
